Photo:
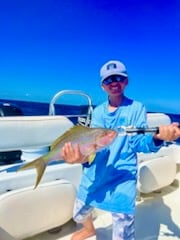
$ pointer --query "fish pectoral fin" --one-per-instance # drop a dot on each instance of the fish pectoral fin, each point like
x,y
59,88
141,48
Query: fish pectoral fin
x,y
91,157
39,164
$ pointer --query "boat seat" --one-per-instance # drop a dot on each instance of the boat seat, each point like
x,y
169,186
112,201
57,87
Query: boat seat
x,y
23,132
24,211
53,201
156,170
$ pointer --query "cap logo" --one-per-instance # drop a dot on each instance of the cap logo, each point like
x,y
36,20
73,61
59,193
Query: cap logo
x,y
111,66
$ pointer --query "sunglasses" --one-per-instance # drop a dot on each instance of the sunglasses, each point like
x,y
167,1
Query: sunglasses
x,y
113,78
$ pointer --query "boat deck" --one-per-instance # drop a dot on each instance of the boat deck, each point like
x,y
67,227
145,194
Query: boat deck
x,y
157,218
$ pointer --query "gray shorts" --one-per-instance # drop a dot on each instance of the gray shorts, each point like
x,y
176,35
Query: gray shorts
x,y
123,224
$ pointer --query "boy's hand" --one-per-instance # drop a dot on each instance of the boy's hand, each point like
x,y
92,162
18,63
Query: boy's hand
x,y
168,132
72,154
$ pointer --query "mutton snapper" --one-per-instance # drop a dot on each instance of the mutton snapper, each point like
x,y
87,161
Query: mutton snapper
x,y
90,140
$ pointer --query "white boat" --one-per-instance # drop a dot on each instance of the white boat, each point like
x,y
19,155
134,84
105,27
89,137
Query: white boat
x,y
46,212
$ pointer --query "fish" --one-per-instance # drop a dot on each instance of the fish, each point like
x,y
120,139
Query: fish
x,y
90,141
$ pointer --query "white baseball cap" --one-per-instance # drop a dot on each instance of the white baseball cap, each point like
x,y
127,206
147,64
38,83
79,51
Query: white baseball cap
x,y
113,67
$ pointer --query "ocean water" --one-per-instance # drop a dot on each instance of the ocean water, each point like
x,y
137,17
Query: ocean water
x,y
39,109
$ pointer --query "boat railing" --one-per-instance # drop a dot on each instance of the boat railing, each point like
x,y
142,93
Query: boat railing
x,y
83,119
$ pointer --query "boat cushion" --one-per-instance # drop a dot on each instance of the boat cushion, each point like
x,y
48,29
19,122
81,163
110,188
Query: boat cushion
x,y
152,167
156,173
21,132
26,212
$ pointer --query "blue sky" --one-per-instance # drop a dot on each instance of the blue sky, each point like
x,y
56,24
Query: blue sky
x,y
50,45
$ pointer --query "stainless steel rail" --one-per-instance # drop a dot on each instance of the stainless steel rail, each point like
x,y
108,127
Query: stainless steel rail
x,y
80,116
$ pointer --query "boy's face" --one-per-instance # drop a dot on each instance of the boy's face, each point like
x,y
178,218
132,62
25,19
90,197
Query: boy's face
x,y
115,84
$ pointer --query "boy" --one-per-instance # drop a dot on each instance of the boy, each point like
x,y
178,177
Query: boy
x,y
109,182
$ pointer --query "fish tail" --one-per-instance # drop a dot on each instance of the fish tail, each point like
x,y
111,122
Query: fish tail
x,y
40,166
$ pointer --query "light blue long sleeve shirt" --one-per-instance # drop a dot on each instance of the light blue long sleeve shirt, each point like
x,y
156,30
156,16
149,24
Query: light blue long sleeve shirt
x,y
109,183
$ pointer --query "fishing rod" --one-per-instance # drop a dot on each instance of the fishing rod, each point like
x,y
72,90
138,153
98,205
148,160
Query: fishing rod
x,y
122,130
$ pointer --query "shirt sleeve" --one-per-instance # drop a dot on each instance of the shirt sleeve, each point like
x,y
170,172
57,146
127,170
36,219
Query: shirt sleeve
x,y
144,142
97,120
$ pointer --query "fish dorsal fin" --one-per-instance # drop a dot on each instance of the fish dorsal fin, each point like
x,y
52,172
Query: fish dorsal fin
x,y
70,132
